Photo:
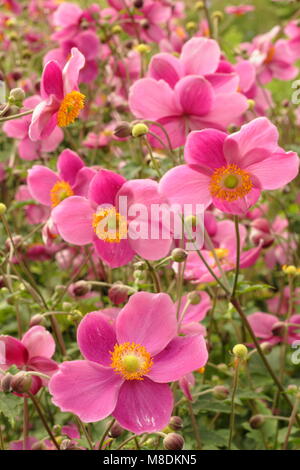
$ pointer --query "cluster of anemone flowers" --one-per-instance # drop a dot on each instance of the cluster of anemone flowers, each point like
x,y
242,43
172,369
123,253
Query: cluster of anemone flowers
x,y
149,225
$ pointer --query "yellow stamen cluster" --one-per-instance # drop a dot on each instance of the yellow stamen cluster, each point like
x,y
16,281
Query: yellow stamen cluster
x,y
291,270
230,183
70,108
220,253
60,191
109,225
131,360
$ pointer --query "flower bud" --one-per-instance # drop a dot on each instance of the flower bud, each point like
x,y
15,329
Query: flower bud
x,y
139,130
3,208
81,288
266,347
194,298
116,430
240,351
36,320
118,293
220,392
222,367
251,105
139,275
179,255
261,233
176,423
40,445
116,29
279,328
199,5
290,270
21,382
67,444
173,441
256,421
56,429
191,26
218,15
138,3
16,96
123,129
5,383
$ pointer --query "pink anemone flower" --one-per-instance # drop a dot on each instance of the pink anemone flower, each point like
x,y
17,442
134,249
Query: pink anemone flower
x,y
230,171
50,188
19,129
239,10
32,353
225,251
268,329
61,101
128,366
101,219
192,104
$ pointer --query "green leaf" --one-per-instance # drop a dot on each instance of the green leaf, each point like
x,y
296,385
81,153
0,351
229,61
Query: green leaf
x,y
10,406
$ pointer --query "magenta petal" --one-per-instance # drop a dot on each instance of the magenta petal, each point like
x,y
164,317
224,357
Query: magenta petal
x,y
40,181
68,165
152,249
182,355
196,313
183,185
86,389
96,338
43,364
165,67
205,149
73,218
227,109
44,119
52,82
240,206
195,95
39,342
243,148
144,315
114,254
144,406
14,351
83,180
104,187
29,150
16,128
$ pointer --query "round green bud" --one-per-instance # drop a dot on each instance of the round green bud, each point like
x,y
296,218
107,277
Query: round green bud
x,y
194,298
179,255
173,441
139,130
3,208
240,351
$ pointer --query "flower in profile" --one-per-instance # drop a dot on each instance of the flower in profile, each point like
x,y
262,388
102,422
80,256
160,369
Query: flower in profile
x,y
50,188
101,219
231,171
128,365
61,100
270,330
239,10
225,251
32,353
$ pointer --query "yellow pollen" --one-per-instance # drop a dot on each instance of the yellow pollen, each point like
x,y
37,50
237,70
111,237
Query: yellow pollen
x,y
60,191
131,360
70,108
220,253
230,183
109,225
270,55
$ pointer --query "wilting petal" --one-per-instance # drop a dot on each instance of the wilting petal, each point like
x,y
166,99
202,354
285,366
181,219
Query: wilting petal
x,y
143,316
144,406
86,389
96,338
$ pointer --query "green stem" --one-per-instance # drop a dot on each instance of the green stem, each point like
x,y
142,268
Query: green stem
x,y
232,414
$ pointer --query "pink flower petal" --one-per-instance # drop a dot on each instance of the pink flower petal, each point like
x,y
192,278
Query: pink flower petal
x,y
40,181
68,165
183,185
86,389
195,95
104,187
196,313
165,67
73,218
205,149
182,355
151,99
262,324
114,254
14,351
71,70
144,315
200,56
96,338
39,342
52,82
144,406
